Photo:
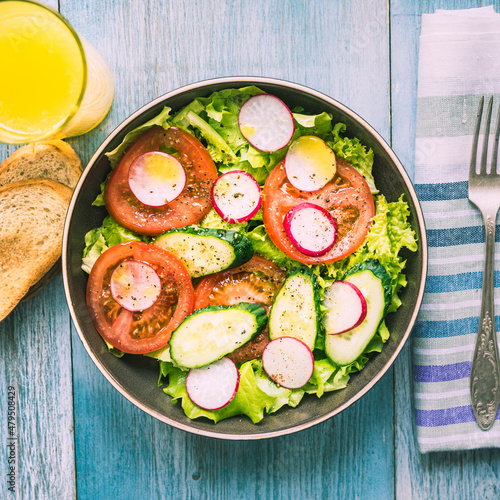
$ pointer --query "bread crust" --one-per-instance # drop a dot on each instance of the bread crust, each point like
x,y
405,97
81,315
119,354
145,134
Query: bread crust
x,y
31,226
51,159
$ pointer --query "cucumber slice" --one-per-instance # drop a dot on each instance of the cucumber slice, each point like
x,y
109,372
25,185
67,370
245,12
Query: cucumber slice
x,y
210,333
381,273
206,251
375,284
295,312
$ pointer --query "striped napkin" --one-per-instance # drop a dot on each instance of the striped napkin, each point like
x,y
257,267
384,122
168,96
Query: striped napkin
x,y
459,61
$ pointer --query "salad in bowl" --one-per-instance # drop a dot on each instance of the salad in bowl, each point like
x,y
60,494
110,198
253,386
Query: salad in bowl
x,y
244,246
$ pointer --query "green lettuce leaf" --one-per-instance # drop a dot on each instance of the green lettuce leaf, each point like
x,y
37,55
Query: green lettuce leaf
x,y
257,163
250,400
215,119
114,233
281,396
326,377
160,120
99,200
114,351
263,245
354,153
95,245
100,239
218,148
318,125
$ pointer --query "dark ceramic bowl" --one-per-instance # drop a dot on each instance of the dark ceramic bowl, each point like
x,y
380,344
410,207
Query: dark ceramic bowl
x,y
135,377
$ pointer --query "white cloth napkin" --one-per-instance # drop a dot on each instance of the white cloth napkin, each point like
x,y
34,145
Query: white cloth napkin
x,y
459,61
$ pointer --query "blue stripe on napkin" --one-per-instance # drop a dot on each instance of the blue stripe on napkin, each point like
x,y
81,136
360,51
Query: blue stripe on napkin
x,y
450,237
443,191
445,329
442,373
449,416
459,282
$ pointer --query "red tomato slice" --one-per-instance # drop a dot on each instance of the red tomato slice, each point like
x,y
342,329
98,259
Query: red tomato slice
x,y
257,281
148,330
188,208
347,198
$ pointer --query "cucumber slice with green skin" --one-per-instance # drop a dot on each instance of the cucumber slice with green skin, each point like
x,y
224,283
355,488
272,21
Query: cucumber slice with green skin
x,y
214,331
380,272
295,312
375,284
206,251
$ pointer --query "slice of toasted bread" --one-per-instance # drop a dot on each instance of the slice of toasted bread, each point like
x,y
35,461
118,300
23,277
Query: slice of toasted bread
x,y
54,159
31,226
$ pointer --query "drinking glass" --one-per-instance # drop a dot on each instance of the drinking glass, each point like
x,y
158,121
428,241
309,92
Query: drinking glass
x,y
54,84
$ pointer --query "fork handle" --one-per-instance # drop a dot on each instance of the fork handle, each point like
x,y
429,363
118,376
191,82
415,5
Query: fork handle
x,y
485,371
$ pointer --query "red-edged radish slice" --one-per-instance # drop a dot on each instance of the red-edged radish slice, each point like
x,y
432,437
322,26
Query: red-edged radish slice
x,y
346,307
310,163
156,178
288,361
213,386
310,228
236,196
135,285
266,122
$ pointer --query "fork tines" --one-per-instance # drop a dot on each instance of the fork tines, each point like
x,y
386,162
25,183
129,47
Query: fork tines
x,y
484,153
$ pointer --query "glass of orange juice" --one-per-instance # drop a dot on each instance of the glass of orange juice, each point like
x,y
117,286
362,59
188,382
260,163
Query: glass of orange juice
x,y
54,83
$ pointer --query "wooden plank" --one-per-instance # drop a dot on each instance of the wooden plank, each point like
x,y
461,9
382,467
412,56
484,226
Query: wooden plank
x,y
465,475
35,349
155,47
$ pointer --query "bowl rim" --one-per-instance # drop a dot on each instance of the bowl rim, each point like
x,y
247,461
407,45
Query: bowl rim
x,y
246,80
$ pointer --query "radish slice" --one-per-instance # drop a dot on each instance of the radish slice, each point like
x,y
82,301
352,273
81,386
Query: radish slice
x,y
135,285
236,196
346,307
310,163
310,228
213,386
288,361
156,178
266,122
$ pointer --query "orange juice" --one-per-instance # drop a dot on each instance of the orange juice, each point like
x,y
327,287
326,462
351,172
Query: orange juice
x,y
46,75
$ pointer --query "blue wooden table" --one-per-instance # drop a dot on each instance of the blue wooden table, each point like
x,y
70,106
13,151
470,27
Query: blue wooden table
x,y
76,435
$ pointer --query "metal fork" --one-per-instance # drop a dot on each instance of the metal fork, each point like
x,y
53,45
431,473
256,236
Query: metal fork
x,y
484,192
